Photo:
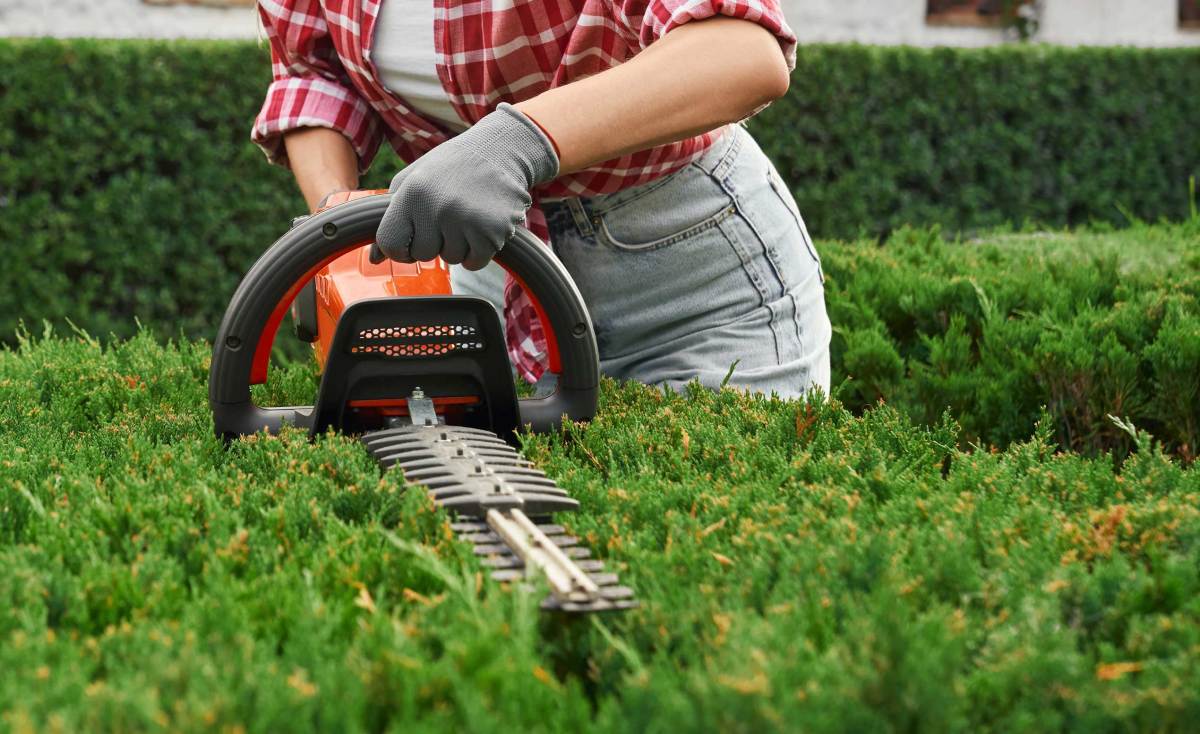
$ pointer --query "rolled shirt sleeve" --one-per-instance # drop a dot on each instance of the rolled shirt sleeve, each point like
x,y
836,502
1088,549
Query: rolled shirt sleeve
x,y
310,87
652,19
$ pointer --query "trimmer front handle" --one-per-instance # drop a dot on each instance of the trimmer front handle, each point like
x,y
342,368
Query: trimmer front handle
x,y
242,349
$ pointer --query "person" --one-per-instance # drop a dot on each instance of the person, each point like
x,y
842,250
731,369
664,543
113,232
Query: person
x,y
609,129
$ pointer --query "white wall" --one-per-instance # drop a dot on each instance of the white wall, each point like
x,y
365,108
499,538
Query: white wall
x,y
124,19
879,22
1107,22
1138,22
1102,22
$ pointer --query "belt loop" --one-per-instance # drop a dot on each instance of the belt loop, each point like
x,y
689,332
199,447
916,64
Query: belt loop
x,y
582,222
727,158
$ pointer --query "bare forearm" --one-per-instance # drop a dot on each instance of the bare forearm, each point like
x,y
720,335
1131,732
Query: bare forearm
x,y
323,162
695,79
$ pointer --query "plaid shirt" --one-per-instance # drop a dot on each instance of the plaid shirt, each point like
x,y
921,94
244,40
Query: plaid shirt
x,y
323,77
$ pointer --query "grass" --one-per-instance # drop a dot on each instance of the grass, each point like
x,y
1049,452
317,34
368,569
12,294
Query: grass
x,y
800,568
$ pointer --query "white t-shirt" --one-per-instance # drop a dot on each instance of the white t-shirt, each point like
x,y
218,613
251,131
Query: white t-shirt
x,y
404,56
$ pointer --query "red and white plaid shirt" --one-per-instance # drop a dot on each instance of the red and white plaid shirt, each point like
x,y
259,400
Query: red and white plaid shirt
x,y
487,53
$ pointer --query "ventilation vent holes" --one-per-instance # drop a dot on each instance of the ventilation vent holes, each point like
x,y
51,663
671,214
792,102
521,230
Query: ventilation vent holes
x,y
394,332
410,341
415,350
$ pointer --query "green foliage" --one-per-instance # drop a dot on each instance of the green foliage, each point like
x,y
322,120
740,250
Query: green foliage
x,y
128,184
800,569
1087,325
872,139
129,192
129,188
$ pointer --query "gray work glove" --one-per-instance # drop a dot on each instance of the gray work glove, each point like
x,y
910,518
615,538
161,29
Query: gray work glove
x,y
463,199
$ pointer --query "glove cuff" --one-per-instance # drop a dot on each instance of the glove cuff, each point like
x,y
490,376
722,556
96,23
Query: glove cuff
x,y
508,130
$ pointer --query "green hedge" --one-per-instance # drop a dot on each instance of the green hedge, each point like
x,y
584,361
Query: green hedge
x,y
129,191
873,139
128,186
799,570
1087,325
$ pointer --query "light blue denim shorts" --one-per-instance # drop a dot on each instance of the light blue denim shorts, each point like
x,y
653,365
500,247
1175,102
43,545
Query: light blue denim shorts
x,y
686,276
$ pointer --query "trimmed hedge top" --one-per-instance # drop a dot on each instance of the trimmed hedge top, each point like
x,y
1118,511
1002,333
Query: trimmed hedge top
x,y
1087,325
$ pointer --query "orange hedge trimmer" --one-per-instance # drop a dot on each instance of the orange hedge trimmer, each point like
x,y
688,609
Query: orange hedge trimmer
x,y
423,376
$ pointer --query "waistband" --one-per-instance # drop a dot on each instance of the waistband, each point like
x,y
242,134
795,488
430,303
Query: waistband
x,y
714,159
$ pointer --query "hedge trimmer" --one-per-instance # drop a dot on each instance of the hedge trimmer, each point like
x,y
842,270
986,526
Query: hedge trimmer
x,y
423,377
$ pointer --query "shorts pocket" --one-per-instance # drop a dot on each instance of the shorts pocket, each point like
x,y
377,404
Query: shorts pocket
x,y
606,235
683,204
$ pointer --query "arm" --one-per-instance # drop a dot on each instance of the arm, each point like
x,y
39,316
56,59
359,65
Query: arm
x,y
696,78
463,199
312,119
323,161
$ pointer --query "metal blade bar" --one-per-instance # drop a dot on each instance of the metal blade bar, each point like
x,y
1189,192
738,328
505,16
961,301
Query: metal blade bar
x,y
493,490
568,583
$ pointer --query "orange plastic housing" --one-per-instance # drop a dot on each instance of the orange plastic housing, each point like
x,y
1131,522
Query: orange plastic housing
x,y
353,277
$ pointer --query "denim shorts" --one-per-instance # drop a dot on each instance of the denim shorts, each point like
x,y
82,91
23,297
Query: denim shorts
x,y
701,270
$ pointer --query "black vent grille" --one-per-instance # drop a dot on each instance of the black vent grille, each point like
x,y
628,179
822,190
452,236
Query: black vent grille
x,y
421,340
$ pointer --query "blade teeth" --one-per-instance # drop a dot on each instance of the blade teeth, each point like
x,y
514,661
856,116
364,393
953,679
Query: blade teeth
x,y
602,579
528,480
537,489
500,549
487,535
418,475
479,537
508,574
614,593
493,549
520,471
443,459
508,561
408,453
413,463
589,565
509,464
488,543
445,493
502,449
600,605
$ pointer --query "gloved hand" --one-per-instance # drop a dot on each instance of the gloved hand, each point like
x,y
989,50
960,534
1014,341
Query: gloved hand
x,y
463,199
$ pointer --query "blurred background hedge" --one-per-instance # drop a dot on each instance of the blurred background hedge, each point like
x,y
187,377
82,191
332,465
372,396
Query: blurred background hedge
x,y
128,186
129,191
873,139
